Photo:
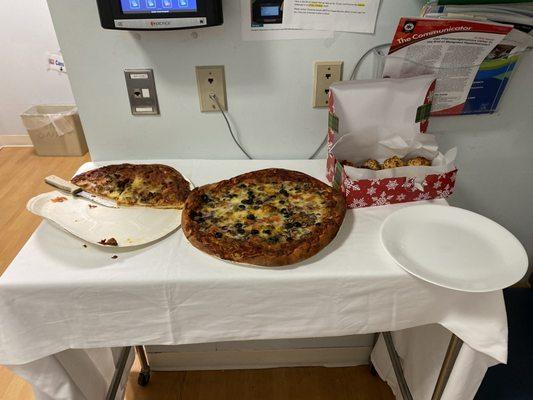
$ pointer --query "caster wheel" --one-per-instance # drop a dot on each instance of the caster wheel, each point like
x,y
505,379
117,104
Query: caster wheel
x,y
143,378
373,370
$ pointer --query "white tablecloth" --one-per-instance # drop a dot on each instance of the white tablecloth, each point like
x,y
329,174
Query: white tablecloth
x,y
58,295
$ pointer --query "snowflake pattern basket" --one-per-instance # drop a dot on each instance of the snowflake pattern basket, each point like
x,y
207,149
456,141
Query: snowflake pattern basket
x,y
378,192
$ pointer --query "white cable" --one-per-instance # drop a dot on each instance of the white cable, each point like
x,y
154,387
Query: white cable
x,y
215,99
352,77
358,64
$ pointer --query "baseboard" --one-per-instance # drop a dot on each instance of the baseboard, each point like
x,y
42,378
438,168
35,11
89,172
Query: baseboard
x,y
253,359
15,141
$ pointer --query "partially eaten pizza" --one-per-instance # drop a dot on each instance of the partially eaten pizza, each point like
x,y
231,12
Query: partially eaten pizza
x,y
149,185
271,217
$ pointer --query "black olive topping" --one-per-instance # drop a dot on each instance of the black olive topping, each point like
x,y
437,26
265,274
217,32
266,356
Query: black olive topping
x,y
318,224
242,185
298,224
273,239
267,231
238,225
205,198
218,235
193,214
242,206
251,194
251,217
241,231
246,201
288,225
254,232
284,192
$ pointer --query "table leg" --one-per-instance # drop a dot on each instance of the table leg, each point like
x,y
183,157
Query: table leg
x,y
144,375
447,366
370,365
119,372
397,366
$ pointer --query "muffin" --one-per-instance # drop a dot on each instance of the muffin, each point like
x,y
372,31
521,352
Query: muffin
x,y
419,162
371,164
393,162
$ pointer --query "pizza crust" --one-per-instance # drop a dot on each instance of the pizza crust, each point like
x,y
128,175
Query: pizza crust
x,y
266,254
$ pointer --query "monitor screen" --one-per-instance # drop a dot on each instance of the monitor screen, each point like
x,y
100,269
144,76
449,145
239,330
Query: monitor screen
x,y
157,6
270,11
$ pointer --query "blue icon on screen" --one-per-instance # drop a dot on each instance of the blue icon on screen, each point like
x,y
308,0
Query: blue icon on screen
x,y
167,3
151,3
135,3
184,3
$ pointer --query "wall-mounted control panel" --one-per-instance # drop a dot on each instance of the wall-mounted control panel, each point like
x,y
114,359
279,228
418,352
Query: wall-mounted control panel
x,y
141,91
159,14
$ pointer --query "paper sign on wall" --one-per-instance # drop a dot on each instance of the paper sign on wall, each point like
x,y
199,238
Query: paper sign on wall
x,y
267,20
333,15
56,63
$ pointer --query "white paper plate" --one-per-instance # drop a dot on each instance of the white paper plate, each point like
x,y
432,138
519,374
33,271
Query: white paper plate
x,y
454,248
130,226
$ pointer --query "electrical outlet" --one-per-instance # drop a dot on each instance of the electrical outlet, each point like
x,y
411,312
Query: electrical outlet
x,y
326,73
211,80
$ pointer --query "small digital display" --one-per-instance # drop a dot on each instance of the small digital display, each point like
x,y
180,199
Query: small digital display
x,y
270,11
157,6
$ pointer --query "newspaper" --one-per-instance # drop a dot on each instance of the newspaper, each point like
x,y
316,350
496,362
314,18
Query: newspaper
x,y
451,49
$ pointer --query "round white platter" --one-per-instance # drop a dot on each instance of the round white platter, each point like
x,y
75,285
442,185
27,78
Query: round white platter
x,y
454,248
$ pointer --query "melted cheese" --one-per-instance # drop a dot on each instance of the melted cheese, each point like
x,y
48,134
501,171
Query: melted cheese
x,y
276,212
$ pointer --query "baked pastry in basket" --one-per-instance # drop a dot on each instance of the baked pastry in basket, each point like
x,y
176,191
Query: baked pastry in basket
x,y
393,162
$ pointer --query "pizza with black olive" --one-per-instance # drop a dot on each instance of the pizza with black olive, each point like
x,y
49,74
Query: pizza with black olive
x,y
149,185
271,217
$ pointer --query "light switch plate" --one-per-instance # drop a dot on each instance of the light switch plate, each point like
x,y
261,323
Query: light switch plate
x,y
141,91
211,80
326,73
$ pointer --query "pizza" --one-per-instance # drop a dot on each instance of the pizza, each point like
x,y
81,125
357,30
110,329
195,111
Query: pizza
x,y
271,217
149,185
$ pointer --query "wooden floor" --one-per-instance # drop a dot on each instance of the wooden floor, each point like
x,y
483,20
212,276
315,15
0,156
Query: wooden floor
x,y
21,177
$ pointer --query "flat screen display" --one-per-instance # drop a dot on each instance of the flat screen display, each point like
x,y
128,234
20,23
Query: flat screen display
x,y
270,11
157,6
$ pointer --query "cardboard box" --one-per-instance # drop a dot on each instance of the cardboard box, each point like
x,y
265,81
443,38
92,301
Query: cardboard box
x,y
378,119
55,130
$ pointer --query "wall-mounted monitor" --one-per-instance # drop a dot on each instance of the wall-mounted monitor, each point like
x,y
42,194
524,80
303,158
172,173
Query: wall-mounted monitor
x,y
159,14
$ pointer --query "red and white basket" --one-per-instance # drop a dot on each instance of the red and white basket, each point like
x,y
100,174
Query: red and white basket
x,y
399,121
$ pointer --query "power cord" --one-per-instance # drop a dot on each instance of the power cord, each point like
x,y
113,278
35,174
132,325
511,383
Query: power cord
x,y
352,77
215,99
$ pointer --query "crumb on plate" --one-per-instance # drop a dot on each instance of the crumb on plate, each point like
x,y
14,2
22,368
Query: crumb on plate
x,y
59,199
109,242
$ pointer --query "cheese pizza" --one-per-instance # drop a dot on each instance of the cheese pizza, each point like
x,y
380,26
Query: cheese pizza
x,y
271,217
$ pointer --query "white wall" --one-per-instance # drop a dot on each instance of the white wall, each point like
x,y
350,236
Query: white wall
x,y
269,95
269,84
27,34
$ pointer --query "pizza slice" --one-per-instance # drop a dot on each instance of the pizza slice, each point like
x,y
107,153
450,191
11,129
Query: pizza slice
x,y
148,185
